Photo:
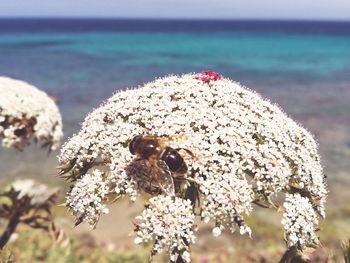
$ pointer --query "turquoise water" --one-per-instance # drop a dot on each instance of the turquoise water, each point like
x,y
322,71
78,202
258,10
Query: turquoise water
x,y
84,68
233,54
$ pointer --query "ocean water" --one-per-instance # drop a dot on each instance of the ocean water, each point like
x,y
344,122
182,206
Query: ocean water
x,y
303,66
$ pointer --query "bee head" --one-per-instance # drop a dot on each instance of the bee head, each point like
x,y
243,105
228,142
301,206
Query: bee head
x,y
134,143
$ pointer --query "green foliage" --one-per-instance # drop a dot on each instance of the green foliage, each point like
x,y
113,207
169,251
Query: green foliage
x,y
6,256
34,246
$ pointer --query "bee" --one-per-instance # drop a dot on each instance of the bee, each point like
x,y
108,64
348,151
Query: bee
x,y
157,168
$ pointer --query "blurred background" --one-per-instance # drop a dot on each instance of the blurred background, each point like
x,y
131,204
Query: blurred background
x,y
296,53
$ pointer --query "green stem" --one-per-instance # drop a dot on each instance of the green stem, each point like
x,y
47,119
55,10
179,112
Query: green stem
x,y
10,229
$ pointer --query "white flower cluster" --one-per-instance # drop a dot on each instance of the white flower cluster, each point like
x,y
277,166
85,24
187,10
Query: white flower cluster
x,y
246,149
299,220
169,222
225,198
85,198
27,113
37,192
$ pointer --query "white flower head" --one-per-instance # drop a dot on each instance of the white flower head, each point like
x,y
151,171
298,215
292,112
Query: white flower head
x,y
37,192
169,223
245,149
27,113
86,198
299,220
225,198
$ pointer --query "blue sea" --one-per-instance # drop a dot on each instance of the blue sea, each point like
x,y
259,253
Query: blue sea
x,y
302,65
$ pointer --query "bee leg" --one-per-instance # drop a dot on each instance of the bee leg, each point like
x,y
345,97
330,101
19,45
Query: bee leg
x,y
159,188
192,194
162,189
187,151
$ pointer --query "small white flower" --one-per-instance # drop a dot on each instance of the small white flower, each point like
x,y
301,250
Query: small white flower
x,y
245,230
216,231
138,240
186,256
13,237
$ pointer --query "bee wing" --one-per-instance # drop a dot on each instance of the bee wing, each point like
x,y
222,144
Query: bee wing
x,y
167,182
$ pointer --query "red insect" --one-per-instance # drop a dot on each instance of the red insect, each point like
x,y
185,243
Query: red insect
x,y
207,76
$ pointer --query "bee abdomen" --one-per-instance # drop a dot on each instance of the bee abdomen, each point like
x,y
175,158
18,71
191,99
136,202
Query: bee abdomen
x,y
174,160
139,171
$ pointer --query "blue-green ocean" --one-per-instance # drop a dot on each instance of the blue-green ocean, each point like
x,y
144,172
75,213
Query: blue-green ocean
x,y
303,66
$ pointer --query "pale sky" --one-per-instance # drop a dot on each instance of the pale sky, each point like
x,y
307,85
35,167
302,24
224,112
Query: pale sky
x,y
230,9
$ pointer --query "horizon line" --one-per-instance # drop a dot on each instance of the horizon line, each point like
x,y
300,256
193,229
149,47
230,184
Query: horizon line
x,y
177,18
